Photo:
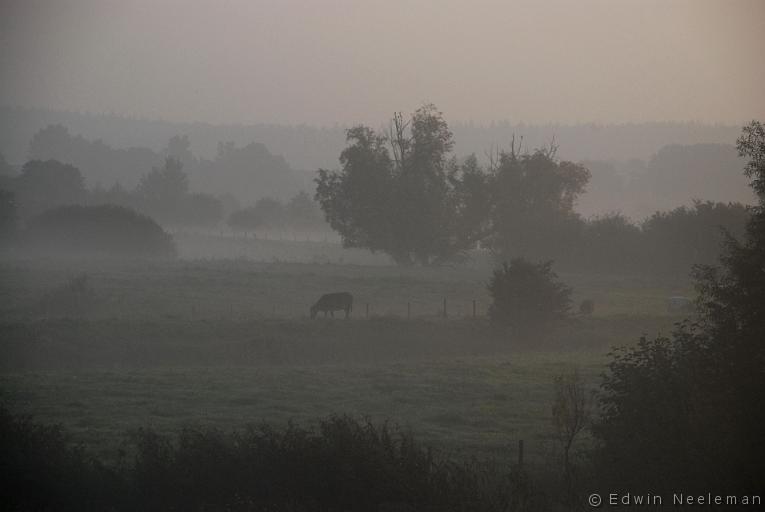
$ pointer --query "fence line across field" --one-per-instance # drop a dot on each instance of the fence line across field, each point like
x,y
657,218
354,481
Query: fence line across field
x,y
446,309
459,309
442,312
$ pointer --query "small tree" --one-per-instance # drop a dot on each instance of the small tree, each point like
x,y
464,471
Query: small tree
x,y
527,296
571,414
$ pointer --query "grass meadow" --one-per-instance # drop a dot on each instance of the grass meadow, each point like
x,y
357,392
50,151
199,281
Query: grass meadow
x,y
225,342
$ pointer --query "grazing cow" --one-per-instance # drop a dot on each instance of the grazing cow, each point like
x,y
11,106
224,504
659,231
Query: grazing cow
x,y
331,302
679,304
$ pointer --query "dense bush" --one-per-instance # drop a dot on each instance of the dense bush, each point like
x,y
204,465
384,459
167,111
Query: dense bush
x,y
342,465
527,296
103,230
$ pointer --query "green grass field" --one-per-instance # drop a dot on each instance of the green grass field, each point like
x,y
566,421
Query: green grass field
x,y
247,289
471,406
226,342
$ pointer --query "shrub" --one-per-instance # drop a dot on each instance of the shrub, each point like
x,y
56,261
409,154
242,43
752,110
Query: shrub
x,y
104,230
527,296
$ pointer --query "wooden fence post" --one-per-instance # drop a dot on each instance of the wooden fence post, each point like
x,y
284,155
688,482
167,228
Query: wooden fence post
x,y
473,308
444,307
408,310
366,315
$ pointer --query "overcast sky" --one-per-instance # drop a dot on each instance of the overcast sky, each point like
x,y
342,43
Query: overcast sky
x,y
330,61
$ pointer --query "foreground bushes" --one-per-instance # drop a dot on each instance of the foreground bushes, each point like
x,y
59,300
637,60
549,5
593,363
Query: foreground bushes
x,y
41,470
343,464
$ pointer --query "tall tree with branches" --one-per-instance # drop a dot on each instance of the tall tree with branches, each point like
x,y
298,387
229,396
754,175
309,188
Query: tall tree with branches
x,y
403,193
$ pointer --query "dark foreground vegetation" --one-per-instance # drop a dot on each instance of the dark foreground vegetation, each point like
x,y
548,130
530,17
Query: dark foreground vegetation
x,y
686,410
344,464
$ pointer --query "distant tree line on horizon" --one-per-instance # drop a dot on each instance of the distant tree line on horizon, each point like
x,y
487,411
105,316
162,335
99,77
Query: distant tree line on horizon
x,y
47,207
247,173
403,193
307,147
635,169
162,193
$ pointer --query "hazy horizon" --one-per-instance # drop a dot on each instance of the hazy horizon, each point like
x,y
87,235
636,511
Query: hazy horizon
x,y
343,63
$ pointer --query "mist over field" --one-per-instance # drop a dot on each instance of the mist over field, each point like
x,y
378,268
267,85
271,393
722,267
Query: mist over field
x,y
412,256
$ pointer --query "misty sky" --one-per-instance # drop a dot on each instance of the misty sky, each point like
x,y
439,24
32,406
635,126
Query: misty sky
x,y
329,61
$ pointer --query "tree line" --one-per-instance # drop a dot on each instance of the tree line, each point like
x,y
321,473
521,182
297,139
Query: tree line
x,y
163,193
247,172
47,207
306,147
404,193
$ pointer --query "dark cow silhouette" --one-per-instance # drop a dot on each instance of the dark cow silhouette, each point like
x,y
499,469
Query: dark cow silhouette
x,y
331,302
